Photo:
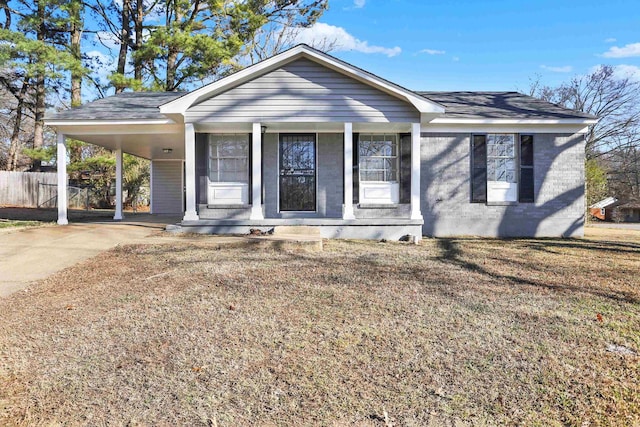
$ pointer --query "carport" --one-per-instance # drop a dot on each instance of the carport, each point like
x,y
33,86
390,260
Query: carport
x,y
134,127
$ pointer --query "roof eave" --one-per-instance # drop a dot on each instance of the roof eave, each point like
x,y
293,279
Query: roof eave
x,y
56,123
503,121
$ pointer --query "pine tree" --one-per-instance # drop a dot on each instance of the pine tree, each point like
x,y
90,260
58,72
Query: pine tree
x,y
35,48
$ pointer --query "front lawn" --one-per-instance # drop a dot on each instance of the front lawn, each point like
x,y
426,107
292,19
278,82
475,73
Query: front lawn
x,y
449,332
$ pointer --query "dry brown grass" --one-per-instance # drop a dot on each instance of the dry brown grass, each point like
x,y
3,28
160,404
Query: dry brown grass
x,y
450,332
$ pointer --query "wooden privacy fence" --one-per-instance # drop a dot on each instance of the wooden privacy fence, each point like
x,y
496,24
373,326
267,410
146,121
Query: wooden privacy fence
x,y
38,190
25,189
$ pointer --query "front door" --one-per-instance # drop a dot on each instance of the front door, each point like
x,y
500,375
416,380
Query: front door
x,y
297,172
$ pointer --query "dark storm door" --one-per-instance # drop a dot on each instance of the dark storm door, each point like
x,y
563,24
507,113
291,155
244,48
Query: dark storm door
x,y
297,172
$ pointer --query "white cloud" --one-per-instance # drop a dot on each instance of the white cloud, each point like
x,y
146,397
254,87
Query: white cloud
x,y
622,71
107,39
610,40
343,41
102,64
627,71
627,51
433,51
563,69
455,59
359,3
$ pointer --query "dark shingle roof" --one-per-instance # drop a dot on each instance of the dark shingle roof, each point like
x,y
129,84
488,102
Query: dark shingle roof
x,y
499,105
126,105
480,105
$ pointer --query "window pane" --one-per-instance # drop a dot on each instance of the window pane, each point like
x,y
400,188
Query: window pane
x,y
378,145
391,174
378,157
373,176
228,157
372,163
499,145
501,158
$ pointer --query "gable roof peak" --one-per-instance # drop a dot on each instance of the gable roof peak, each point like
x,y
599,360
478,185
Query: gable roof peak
x,y
181,104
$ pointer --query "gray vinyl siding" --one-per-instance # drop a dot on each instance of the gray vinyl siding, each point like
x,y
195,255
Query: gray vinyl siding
x,y
303,91
166,196
558,209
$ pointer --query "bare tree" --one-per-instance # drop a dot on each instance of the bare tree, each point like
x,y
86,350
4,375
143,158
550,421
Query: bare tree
x,y
614,99
278,36
624,172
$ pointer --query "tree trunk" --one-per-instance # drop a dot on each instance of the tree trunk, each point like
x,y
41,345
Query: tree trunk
x,y
172,59
139,17
14,145
7,14
75,35
125,36
38,129
172,55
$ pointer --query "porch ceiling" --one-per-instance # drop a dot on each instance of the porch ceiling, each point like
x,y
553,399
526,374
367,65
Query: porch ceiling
x,y
143,141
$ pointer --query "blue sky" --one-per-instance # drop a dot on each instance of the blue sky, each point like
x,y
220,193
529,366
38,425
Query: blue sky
x,y
483,45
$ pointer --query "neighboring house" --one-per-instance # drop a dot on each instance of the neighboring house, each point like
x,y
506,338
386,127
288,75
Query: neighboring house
x,y
627,212
305,138
603,210
612,209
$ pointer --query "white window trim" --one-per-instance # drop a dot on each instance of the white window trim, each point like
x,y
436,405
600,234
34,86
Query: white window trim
x,y
379,192
226,192
503,191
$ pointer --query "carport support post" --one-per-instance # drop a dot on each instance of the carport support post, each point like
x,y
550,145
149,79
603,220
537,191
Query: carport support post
x,y
256,173
347,210
118,214
190,172
62,180
415,172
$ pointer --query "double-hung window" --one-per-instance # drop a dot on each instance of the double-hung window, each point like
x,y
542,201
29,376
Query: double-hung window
x,y
228,169
502,168
378,158
378,166
228,158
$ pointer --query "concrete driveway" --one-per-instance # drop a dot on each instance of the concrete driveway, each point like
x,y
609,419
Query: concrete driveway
x,y
35,253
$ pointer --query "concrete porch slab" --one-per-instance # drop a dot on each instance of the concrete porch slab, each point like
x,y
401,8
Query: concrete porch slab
x,y
330,228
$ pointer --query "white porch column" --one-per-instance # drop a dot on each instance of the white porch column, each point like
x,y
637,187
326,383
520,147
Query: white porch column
x,y
118,214
347,210
190,172
415,171
62,180
256,173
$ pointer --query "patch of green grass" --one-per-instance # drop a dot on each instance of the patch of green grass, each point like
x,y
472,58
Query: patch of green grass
x,y
9,223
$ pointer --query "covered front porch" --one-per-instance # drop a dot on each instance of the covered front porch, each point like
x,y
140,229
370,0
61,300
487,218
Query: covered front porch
x,y
312,174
